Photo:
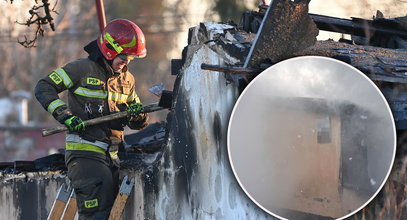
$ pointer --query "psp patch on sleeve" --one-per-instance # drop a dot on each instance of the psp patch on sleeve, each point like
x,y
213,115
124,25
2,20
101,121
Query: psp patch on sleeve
x,y
92,81
55,78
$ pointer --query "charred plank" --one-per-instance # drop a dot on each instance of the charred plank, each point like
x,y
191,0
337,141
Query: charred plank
x,y
286,28
231,69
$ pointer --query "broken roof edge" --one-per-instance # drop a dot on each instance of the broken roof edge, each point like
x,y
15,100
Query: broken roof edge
x,y
145,149
377,63
386,67
380,63
26,176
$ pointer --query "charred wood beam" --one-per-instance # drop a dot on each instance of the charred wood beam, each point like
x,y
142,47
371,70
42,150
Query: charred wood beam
x,y
6,165
20,166
166,99
17,166
231,69
149,140
380,31
358,26
51,162
176,66
379,64
150,147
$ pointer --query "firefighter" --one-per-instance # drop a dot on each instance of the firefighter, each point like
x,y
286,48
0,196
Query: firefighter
x,y
97,85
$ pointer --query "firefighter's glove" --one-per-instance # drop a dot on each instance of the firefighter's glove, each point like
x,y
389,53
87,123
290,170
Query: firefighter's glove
x,y
74,124
135,109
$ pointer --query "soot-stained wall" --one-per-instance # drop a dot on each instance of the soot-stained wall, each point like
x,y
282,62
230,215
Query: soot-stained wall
x,y
28,195
194,179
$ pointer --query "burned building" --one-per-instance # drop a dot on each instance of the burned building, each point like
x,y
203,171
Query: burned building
x,y
188,174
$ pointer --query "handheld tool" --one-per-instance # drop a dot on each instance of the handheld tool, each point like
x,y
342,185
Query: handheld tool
x,y
148,108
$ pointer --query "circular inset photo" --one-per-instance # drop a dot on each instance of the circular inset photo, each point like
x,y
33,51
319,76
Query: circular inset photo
x,y
311,138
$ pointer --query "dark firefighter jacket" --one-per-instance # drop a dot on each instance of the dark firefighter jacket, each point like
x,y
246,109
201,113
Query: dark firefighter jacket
x,y
94,90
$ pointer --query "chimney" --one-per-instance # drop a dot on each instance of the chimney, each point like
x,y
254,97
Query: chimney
x,y
22,99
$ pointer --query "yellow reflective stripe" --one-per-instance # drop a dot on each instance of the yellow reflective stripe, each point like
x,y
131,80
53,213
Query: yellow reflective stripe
x,y
74,138
131,44
65,78
81,146
116,46
90,93
133,98
118,97
55,104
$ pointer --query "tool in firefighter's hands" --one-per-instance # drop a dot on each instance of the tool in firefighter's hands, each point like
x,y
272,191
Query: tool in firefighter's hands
x,y
74,124
135,109
146,109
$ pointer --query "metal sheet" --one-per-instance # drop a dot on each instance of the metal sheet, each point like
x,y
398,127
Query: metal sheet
x,y
286,28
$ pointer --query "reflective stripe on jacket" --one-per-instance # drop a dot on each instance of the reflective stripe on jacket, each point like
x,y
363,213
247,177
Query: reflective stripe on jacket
x,y
93,91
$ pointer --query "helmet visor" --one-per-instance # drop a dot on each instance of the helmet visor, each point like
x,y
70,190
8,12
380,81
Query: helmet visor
x,y
127,57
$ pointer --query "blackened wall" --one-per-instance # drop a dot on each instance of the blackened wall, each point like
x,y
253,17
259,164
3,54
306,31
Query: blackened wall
x,y
193,179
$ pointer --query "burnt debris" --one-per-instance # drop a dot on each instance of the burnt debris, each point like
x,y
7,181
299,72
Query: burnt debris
x,y
380,32
286,29
51,162
377,47
149,140
142,149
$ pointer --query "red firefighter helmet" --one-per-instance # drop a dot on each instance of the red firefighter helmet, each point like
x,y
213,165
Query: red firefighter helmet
x,y
122,36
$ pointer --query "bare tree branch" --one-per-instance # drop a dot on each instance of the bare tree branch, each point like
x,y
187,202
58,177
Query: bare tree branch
x,y
39,20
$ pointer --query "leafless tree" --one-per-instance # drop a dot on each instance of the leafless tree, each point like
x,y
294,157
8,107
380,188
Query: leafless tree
x,y
40,15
